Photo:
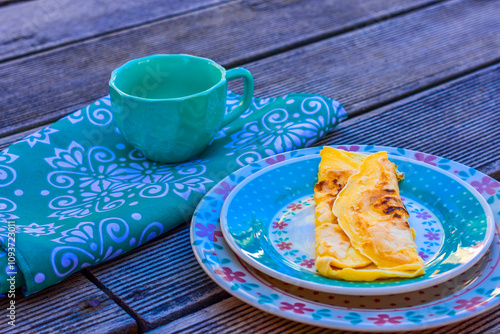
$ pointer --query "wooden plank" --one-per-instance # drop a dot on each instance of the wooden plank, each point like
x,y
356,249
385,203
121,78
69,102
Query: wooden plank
x,y
492,169
464,111
458,110
165,285
6,141
378,64
495,329
74,305
32,26
76,74
234,316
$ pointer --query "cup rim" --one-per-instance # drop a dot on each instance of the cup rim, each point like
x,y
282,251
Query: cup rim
x,y
114,73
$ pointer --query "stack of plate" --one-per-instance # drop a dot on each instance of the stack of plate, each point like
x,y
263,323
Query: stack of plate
x,y
253,234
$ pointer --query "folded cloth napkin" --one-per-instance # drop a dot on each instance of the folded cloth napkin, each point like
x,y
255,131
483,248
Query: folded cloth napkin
x,y
77,194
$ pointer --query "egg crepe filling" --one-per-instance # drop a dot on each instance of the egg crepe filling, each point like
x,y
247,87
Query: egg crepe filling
x,y
362,230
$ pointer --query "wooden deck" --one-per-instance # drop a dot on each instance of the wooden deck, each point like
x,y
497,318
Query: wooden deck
x,y
418,74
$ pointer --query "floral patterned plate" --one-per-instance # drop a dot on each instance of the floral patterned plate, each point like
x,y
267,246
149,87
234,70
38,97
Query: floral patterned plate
x,y
471,293
268,221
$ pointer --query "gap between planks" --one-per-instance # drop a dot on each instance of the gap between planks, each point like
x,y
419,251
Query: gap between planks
x,y
141,324
74,305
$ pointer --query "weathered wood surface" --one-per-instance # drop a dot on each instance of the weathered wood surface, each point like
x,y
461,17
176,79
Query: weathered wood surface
x,y
41,88
335,48
73,306
32,26
459,110
6,141
161,281
234,316
458,120
387,61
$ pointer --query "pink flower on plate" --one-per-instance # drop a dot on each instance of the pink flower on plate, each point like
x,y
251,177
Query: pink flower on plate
x,y
309,263
469,305
294,206
432,236
279,225
487,185
423,215
230,275
284,245
208,231
352,148
429,158
298,308
423,255
278,158
382,319
225,189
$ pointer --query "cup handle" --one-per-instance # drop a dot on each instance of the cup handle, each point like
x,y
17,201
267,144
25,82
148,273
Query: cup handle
x,y
236,73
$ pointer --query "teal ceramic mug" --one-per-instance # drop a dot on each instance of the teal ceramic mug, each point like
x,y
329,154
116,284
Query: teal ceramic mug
x,y
170,107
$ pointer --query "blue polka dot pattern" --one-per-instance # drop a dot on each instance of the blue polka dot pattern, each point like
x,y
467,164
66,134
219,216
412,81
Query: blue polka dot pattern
x,y
456,221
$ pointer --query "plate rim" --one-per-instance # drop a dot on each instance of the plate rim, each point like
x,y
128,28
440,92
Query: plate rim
x,y
370,291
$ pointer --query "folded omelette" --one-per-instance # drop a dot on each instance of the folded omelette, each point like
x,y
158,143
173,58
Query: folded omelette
x,y
362,230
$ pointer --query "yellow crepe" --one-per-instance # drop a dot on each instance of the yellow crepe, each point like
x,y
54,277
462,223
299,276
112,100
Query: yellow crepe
x,y
332,244
340,252
371,213
335,168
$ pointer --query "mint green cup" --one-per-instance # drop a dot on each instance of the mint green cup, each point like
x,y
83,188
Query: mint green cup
x,y
170,107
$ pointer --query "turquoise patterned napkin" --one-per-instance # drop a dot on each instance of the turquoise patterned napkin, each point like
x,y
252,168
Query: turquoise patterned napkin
x,y
77,194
